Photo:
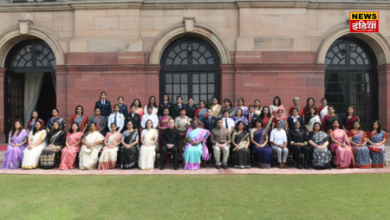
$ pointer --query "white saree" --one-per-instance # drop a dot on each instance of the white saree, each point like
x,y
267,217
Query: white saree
x,y
89,156
31,157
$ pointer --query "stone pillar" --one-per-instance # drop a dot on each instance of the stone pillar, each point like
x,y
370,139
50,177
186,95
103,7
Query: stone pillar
x,y
62,91
227,75
2,111
384,97
152,79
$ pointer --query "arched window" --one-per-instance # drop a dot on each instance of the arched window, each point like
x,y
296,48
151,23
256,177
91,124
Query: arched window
x,y
189,69
351,79
32,54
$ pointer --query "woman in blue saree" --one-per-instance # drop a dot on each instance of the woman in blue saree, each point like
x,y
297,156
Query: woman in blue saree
x,y
239,116
33,119
376,138
259,139
195,146
53,119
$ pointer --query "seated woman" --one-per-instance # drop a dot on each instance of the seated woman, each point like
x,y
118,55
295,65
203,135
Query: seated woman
x,y
329,118
360,150
53,119
163,124
340,146
349,118
200,113
80,119
72,147
240,142
147,154
227,106
277,104
91,145
298,144
129,151
281,119
33,119
239,116
195,146
36,143
266,118
241,105
311,118
109,153
319,140
55,142
259,139
377,139
17,142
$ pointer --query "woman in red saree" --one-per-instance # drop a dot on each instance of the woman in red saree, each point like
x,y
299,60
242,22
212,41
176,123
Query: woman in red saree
x,y
73,145
340,147
309,103
80,119
349,118
266,117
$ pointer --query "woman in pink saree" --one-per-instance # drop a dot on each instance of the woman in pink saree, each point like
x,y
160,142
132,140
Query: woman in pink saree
x,y
73,146
277,104
195,146
340,147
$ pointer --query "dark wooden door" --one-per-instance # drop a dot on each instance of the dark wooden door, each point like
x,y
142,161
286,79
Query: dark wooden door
x,y
15,102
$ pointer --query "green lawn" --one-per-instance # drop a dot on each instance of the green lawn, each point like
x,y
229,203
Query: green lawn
x,y
364,196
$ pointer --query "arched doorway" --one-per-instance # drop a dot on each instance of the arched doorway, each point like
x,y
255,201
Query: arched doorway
x,y
29,82
351,79
190,69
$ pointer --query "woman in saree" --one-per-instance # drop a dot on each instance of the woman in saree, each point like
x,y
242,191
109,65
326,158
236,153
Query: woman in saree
x,y
311,118
163,124
216,107
36,143
240,142
153,103
376,138
195,146
241,105
128,152
329,118
266,118
239,116
259,140
349,118
33,119
200,113
281,119
257,107
80,119
138,107
359,146
72,147
53,119
227,105
277,104
309,103
319,140
55,140
17,142
340,147
147,153
109,153
323,109
92,143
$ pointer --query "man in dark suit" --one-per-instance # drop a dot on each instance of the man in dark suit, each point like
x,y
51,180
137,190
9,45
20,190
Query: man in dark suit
x,y
177,107
209,122
122,107
298,144
170,142
104,105
165,104
251,116
134,118
190,108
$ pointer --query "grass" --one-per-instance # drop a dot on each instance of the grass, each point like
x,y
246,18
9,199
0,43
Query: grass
x,y
364,196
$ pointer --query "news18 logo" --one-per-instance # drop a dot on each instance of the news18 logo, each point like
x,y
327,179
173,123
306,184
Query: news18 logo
x,y
364,22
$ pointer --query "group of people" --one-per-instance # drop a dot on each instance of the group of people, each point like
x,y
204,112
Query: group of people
x,y
127,139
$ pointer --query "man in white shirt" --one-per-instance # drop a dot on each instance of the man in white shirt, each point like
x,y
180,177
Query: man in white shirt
x,y
228,122
116,118
279,143
151,116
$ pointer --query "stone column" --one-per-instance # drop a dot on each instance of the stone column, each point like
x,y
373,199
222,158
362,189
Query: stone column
x,y
384,97
2,112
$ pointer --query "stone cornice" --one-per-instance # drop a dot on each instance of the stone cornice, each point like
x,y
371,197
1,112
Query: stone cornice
x,y
188,4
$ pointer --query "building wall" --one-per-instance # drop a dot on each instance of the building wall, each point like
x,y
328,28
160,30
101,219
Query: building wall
x,y
273,51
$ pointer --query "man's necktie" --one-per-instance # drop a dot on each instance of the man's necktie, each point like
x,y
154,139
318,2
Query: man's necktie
x,y
250,118
226,124
115,119
179,106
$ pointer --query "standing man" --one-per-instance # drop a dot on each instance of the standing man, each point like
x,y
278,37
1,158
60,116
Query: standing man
x,y
181,123
228,122
170,142
134,118
151,116
176,108
191,108
252,117
116,118
165,104
104,105
122,107
220,139
278,141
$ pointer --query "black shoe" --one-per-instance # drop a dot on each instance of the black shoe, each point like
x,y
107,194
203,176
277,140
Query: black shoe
x,y
328,166
162,167
218,167
306,166
224,167
175,168
299,166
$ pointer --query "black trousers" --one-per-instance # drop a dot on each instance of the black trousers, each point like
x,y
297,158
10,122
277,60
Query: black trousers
x,y
296,150
163,153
